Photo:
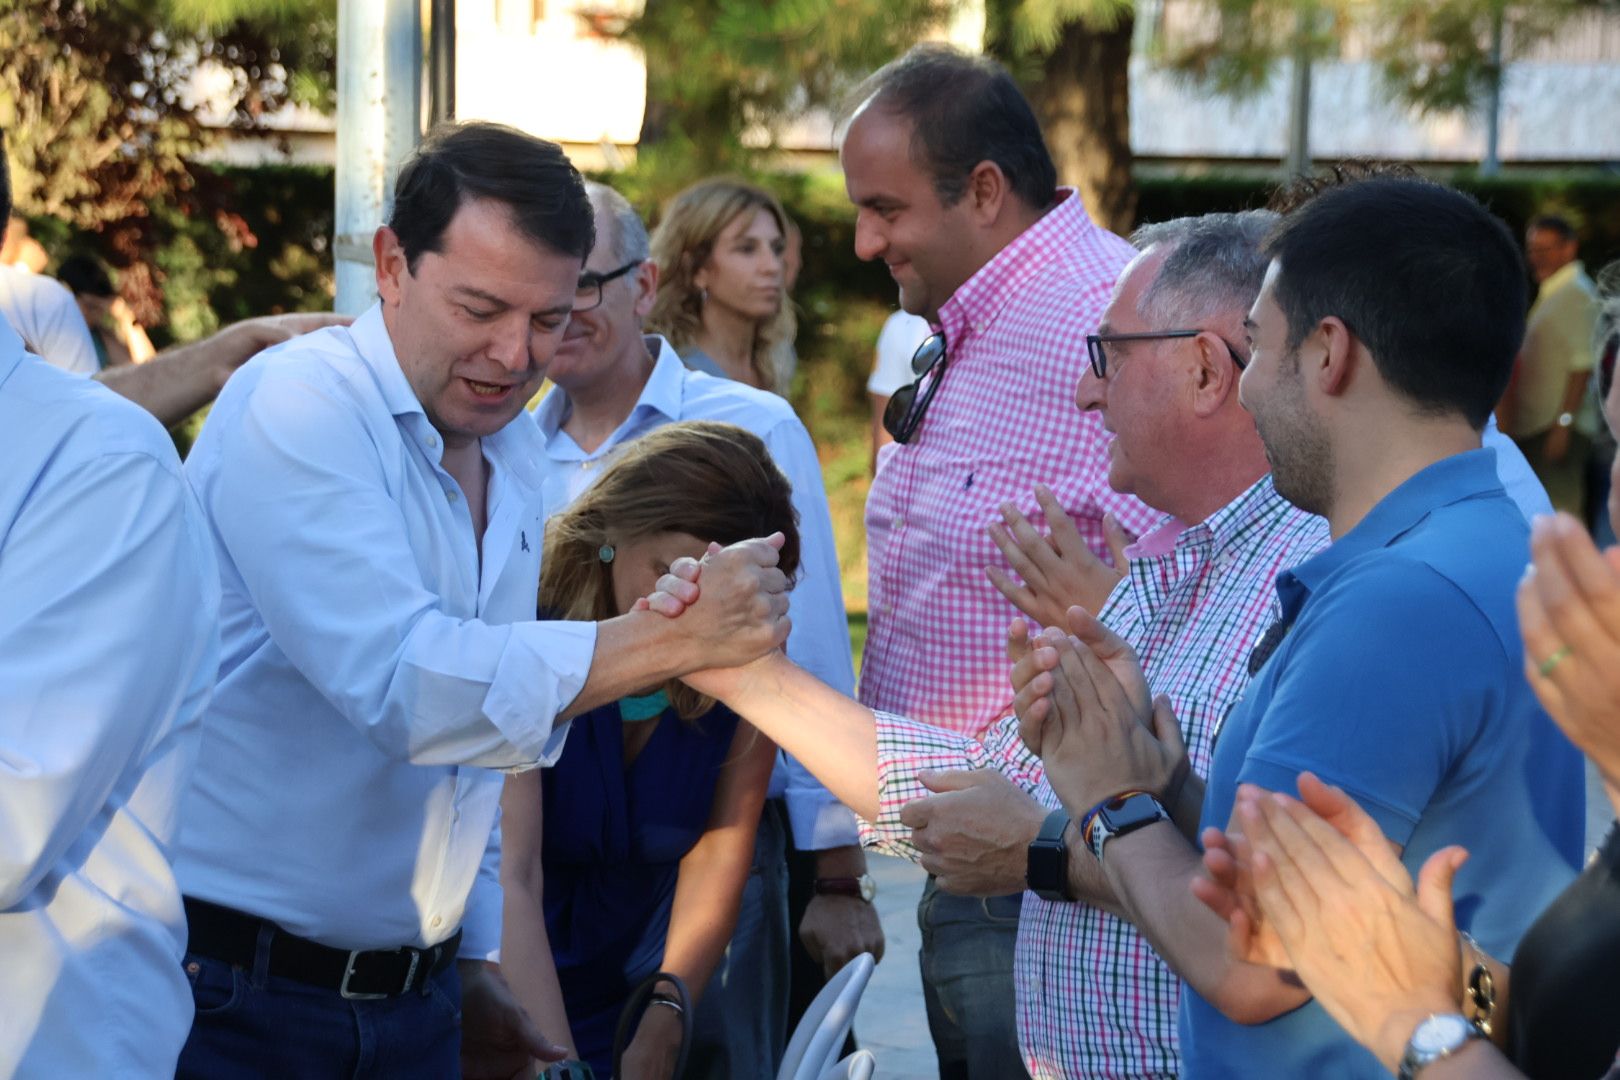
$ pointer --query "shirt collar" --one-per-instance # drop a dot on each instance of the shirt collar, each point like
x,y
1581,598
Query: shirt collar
x,y
1561,277
979,299
1451,480
1257,508
661,394
370,336
12,350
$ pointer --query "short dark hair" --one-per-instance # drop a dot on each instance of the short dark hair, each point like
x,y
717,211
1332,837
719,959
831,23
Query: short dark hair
x,y
480,160
85,276
1553,223
964,110
1427,278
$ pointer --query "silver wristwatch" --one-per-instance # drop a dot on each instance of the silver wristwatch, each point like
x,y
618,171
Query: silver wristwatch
x,y
1439,1036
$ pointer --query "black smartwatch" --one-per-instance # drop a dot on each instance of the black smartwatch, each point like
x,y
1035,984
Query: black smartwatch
x,y
1047,871
1121,817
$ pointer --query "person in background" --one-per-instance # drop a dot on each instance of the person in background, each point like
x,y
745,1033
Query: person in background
x,y
118,338
647,834
902,335
177,382
722,283
1547,409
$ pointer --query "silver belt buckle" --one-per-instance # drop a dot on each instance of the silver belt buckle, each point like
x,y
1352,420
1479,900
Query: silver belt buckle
x,y
348,972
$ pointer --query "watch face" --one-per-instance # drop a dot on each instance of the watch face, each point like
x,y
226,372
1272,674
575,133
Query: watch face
x,y
1440,1034
1137,810
868,887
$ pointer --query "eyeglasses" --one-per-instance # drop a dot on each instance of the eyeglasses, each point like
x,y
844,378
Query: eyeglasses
x,y
1099,356
904,413
1605,366
588,294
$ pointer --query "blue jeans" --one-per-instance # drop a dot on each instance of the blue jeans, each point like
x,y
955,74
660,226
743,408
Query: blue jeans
x,y
967,977
252,1024
740,1030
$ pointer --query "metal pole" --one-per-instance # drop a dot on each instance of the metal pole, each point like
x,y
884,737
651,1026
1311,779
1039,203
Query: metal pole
x,y
442,62
1493,103
1299,103
379,121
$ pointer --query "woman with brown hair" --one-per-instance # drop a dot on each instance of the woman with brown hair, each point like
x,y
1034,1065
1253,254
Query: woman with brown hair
x,y
722,290
642,834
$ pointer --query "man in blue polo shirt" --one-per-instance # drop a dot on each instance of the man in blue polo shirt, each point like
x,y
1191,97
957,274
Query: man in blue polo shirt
x,y
1382,338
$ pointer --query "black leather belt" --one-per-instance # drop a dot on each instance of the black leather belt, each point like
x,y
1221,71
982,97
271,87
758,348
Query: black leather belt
x,y
222,933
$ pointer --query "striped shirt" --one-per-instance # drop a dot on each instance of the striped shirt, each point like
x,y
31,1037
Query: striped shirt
x,y
1004,419
1094,1000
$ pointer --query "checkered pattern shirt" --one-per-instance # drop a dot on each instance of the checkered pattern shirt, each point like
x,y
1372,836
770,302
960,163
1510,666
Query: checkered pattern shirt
x,y
1003,420
1094,1000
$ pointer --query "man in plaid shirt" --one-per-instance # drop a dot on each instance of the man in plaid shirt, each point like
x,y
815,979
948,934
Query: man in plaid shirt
x,y
958,196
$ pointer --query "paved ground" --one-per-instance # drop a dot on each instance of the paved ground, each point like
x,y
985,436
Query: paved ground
x,y
891,1022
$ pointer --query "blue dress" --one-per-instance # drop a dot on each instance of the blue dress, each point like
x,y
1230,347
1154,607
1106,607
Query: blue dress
x,y
612,845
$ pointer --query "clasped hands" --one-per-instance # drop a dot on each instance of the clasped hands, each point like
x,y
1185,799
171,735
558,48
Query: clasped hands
x,y
740,611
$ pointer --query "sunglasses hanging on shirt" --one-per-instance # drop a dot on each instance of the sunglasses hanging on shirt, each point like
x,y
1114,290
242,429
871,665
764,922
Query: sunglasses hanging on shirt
x,y
905,411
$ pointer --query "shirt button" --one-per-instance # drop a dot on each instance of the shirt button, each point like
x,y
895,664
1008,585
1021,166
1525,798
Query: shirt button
x,y
433,441
899,523
450,493
437,922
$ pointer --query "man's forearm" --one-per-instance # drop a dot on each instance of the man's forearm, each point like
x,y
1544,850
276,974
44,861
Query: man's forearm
x,y
634,652
1151,872
831,735
172,385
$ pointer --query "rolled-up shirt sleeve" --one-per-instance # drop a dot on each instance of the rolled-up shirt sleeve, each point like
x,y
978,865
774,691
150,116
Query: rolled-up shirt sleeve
x,y
908,747
330,563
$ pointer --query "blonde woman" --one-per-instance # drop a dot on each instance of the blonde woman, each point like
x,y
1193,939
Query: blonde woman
x,y
630,855
722,290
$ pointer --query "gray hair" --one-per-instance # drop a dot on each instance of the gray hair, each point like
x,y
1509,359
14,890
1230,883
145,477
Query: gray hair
x,y
1215,266
629,233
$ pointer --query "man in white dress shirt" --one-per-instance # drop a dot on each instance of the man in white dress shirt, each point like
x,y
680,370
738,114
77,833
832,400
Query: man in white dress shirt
x,y
108,605
612,384
375,502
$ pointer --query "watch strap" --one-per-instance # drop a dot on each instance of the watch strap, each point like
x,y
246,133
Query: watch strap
x,y
1104,828
1046,869
861,888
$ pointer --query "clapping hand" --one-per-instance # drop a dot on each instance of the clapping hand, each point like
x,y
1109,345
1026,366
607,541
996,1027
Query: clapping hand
x,y
1378,953
1569,615
1057,571
1085,709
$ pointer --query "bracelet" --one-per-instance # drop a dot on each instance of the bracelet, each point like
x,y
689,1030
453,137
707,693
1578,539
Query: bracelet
x,y
667,1002
1090,820
1480,987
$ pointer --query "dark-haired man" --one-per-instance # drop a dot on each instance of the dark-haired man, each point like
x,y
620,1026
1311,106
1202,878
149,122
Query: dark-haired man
x,y
1381,339
1546,407
956,192
377,517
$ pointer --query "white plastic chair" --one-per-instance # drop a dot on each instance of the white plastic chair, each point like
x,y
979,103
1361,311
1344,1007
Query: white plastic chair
x,y
820,1035
858,1066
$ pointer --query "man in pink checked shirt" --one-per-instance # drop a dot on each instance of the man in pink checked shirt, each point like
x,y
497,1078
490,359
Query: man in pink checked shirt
x,y
957,194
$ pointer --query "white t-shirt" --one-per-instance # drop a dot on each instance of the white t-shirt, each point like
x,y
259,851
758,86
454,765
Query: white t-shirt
x,y
43,312
897,341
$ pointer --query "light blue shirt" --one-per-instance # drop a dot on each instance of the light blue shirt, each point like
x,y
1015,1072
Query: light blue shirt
x,y
1514,473
371,661
1401,680
820,639
108,606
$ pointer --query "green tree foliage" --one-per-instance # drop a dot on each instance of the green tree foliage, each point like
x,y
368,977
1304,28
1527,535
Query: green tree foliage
x,y
723,74
102,122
